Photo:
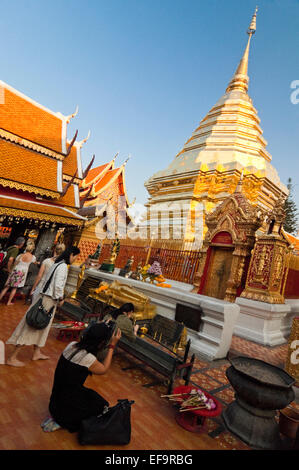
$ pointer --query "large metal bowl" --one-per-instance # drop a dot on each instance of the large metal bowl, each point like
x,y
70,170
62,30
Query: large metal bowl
x,y
259,384
262,372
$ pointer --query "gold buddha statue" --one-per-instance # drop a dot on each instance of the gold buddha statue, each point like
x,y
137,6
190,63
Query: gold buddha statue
x,y
117,294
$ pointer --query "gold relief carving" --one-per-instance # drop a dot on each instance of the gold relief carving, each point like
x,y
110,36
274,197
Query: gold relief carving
x,y
239,271
268,268
260,271
278,268
27,187
199,273
35,215
225,224
235,279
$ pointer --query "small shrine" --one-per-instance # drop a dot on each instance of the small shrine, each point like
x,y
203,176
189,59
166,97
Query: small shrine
x,y
226,250
268,270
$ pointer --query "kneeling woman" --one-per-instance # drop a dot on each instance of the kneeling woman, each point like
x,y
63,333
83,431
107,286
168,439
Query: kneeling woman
x,y
70,401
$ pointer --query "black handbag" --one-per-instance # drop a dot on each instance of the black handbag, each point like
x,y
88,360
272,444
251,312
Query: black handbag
x,y
37,316
112,427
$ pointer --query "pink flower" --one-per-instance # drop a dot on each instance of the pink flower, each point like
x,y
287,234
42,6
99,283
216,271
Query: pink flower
x,y
155,269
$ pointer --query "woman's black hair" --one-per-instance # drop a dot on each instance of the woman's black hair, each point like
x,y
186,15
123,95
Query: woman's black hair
x,y
65,256
94,338
125,308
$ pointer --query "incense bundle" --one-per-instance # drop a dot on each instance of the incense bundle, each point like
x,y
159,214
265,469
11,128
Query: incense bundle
x,y
196,399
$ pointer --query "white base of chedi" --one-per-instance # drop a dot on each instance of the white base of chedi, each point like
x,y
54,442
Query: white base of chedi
x,y
265,323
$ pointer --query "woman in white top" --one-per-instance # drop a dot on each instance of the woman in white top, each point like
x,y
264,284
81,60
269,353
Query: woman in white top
x,y
19,272
43,271
51,295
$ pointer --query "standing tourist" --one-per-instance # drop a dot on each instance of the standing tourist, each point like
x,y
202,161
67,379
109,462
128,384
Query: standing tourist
x,y
52,294
43,271
11,254
17,277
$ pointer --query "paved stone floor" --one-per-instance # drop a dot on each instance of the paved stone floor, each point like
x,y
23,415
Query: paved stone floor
x,y
24,396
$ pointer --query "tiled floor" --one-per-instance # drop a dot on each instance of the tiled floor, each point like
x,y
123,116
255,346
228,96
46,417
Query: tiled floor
x,y
24,396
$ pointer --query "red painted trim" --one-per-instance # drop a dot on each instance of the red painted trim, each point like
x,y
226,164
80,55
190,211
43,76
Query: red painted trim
x,y
223,238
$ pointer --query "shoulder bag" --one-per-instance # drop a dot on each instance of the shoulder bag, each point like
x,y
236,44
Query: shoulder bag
x,y
112,427
37,316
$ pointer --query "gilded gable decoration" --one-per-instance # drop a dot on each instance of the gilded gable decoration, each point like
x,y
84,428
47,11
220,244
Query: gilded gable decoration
x,y
227,246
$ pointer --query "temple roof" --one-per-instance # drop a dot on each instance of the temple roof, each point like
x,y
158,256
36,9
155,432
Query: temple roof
x,y
28,208
70,162
96,174
106,181
21,168
30,120
35,155
103,184
294,241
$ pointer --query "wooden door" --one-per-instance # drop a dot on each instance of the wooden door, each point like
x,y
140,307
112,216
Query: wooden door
x,y
218,272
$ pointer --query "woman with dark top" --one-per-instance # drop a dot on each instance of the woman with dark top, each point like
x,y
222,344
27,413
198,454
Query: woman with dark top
x,y
70,401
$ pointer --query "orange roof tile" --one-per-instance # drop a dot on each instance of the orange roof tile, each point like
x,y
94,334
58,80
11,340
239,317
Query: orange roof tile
x,y
95,174
70,163
68,199
106,180
293,240
20,166
41,211
19,115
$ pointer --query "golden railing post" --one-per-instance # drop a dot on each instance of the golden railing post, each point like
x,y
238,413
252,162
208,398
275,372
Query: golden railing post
x,y
149,252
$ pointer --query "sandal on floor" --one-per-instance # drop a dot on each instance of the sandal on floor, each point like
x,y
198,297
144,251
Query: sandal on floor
x,y
51,426
46,421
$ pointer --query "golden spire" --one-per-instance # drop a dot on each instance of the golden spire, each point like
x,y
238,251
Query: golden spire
x,y
240,79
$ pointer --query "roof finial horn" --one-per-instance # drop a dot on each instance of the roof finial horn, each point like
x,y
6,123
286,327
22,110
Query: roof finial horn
x,y
68,118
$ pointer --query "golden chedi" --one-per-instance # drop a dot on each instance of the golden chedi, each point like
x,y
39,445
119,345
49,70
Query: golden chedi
x,y
228,141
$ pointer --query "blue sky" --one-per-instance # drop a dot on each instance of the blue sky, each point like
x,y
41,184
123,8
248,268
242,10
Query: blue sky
x,y
145,72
